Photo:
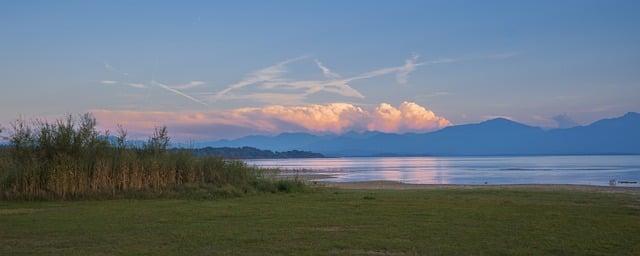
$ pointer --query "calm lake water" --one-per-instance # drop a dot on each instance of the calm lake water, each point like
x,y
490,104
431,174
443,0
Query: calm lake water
x,y
590,170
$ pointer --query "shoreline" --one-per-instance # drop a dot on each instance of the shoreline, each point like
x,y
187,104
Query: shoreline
x,y
434,156
395,185
323,179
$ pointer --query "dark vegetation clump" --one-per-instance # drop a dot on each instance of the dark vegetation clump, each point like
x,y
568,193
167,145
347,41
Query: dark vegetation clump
x,y
253,153
369,197
71,159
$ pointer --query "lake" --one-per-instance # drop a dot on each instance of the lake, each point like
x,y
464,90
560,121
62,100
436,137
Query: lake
x,y
584,170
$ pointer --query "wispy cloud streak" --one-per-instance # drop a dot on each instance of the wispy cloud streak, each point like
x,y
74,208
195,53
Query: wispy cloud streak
x,y
270,84
108,82
166,87
270,78
174,89
110,68
188,85
137,85
271,73
326,71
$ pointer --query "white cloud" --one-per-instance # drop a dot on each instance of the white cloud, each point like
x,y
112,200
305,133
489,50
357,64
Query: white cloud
x,y
271,73
269,97
401,71
108,82
166,87
188,85
326,71
409,116
306,88
270,84
564,121
110,68
270,78
409,66
273,119
174,89
490,117
137,85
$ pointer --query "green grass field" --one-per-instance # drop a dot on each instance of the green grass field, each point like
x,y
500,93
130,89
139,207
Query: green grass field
x,y
332,221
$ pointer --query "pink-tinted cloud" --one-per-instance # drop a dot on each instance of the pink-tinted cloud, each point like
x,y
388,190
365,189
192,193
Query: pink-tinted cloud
x,y
314,118
408,117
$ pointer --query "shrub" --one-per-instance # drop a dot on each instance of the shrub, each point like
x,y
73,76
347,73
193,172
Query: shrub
x,y
290,185
70,159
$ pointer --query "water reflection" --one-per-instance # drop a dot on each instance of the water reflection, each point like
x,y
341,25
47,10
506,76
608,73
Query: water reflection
x,y
592,170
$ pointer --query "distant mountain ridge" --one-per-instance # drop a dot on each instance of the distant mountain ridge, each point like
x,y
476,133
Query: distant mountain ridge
x,y
251,153
498,136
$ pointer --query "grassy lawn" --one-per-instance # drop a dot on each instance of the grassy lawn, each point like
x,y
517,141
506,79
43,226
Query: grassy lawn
x,y
332,221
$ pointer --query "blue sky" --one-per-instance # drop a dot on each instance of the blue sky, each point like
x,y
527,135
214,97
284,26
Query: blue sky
x,y
527,60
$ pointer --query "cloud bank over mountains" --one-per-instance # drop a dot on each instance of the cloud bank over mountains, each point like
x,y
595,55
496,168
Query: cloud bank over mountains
x,y
283,99
273,119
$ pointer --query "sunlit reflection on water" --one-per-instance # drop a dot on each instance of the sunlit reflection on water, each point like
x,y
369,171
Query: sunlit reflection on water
x,y
589,170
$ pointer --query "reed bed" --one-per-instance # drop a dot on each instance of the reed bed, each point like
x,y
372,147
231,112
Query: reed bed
x,y
71,159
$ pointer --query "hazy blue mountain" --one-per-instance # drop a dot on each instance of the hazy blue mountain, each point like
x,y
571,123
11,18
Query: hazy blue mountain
x,y
493,137
281,142
608,136
251,153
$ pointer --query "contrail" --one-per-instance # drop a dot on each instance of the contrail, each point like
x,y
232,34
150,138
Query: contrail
x,y
164,86
267,74
326,71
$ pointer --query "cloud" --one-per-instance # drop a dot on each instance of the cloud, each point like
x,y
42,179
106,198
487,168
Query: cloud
x,y
271,73
270,85
137,85
402,72
108,82
408,117
490,117
188,85
269,97
166,87
564,121
309,87
134,85
326,71
409,66
110,68
174,89
271,78
274,119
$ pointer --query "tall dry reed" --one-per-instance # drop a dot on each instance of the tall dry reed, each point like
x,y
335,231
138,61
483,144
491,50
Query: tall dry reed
x,y
70,159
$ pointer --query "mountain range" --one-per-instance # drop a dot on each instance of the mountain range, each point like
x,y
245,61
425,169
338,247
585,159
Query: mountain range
x,y
499,136
252,153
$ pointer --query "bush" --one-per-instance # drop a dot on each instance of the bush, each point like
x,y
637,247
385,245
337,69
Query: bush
x,y
290,185
70,159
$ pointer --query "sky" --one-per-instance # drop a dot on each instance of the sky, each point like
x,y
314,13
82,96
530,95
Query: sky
x,y
211,70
